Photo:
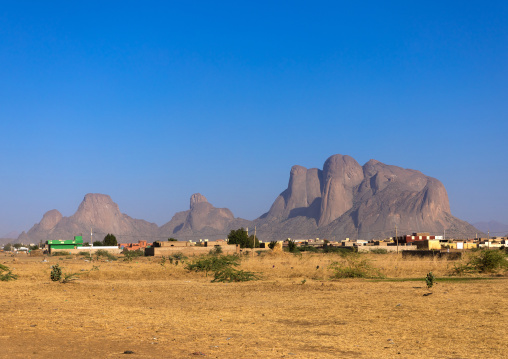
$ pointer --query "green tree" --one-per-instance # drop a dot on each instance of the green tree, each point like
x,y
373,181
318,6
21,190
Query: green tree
x,y
110,240
17,245
172,239
8,247
240,237
98,244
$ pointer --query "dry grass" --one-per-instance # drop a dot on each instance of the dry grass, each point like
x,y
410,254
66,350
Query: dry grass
x,y
165,312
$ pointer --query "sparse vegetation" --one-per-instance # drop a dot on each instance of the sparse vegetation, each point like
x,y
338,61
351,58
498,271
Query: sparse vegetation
x,y
430,280
229,274
353,265
217,250
104,253
6,274
212,263
60,253
485,261
56,273
272,245
379,251
130,255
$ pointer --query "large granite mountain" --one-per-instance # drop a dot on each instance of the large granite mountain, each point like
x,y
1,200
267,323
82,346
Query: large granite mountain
x,y
342,200
97,212
345,199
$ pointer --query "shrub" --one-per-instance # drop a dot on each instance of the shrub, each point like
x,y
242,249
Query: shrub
x,y
291,246
379,251
217,250
430,279
343,251
353,266
130,255
229,274
272,245
105,253
212,263
56,273
485,261
308,249
7,276
61,253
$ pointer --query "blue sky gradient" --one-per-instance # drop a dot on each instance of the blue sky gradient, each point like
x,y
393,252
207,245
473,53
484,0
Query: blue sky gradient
x,y
152,102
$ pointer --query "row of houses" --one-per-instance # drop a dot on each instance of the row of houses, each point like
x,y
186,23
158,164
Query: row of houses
x,y
415,241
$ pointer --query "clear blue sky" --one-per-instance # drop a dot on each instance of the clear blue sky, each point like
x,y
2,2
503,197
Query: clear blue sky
x,y
151,102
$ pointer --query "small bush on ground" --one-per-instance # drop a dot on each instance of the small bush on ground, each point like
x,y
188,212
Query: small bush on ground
x,y
430,279
229,274
292,246
216,251
308,249
272,245
353,266
6,274
379,251
104,253
56,273
212,263
60,253
485,261
130,255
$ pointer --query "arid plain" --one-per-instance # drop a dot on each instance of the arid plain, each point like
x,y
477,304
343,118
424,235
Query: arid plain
x,y
152,309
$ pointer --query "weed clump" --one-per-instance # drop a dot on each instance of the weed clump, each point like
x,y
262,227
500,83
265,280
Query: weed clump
x,y
353,265
229,274
485,261
7,276
60,253
56,275
104,253
222,267
430,279
130,255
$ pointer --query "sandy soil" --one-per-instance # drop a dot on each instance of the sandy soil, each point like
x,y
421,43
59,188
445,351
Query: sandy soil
x,y
160,311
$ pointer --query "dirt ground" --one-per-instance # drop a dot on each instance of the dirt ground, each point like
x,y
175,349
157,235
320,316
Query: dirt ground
x,y
295,311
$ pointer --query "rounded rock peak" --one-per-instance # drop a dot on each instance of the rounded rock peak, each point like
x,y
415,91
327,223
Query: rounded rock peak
x,y
197,198
338,164
296,169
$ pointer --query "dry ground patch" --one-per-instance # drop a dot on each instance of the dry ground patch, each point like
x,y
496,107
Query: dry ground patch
x,y
160,311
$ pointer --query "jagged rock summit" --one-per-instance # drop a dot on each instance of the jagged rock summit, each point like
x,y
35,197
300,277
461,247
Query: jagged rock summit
x,y
202,217
345,199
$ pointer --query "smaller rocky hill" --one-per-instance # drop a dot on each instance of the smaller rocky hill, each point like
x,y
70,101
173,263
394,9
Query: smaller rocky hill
x,y
97,212
202,218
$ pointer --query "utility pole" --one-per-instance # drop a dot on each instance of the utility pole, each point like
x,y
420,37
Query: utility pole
x,y
254,241
91,243
397,239
488,238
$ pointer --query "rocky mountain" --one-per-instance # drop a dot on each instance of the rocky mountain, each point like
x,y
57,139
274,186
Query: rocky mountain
x,y
97,212
202,220
494,227
345,199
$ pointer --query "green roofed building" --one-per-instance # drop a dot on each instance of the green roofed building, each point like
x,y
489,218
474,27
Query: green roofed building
x,y
65,243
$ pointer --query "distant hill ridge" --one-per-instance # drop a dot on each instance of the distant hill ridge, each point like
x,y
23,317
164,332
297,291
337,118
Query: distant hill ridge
x,y
342,200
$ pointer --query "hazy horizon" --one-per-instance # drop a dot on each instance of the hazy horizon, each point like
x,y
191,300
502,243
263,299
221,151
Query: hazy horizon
x,y
151,103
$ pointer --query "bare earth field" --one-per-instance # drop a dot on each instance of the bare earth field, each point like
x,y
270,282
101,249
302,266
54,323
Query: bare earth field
x,y
295,311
